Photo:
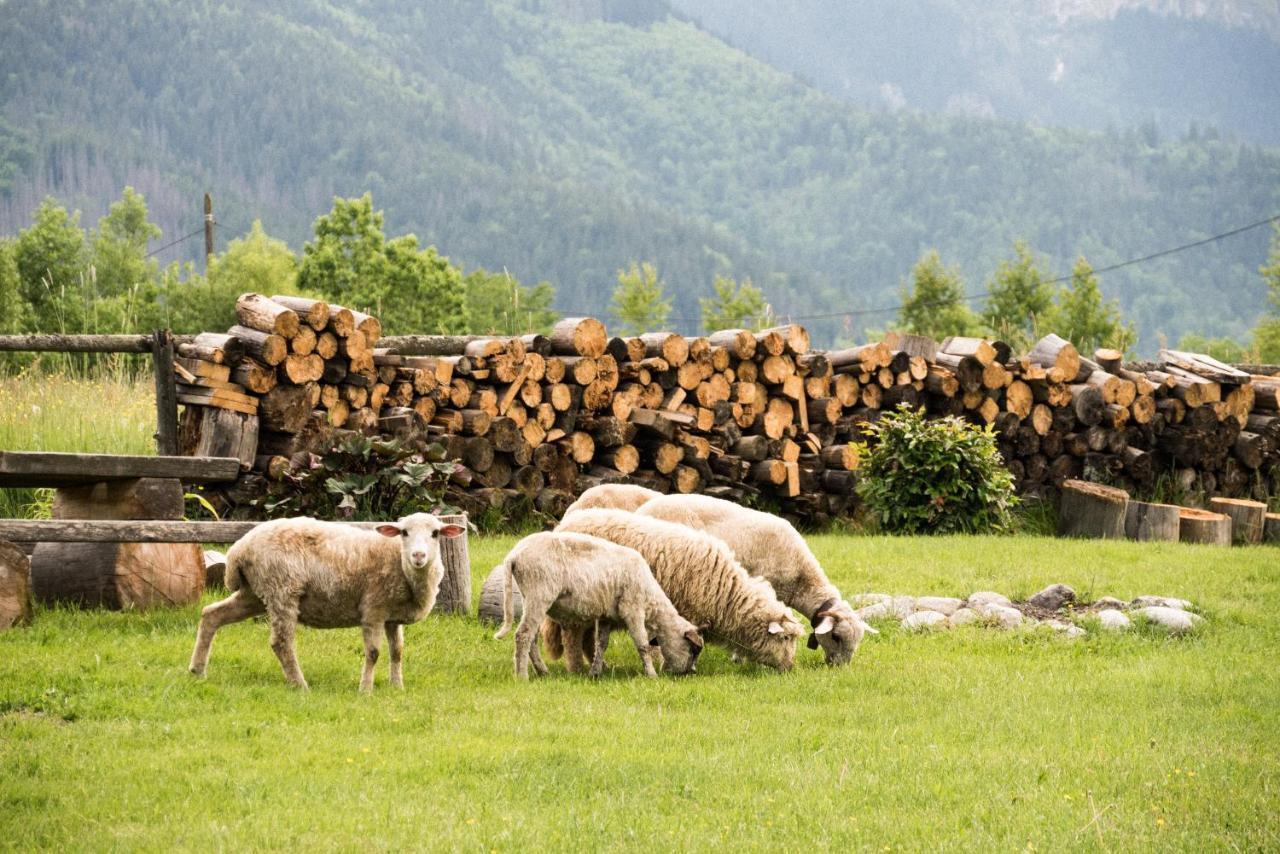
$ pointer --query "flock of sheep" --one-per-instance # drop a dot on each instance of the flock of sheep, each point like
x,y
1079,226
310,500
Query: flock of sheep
x,y
673,571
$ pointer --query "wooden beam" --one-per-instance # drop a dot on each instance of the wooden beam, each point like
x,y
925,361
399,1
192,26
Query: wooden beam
x,y
132,531
166,393
31,469
76,343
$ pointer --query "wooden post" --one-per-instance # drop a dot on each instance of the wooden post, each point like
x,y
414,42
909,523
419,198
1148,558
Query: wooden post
x,y
1247,518
208,230
1092,510
455,588
166,393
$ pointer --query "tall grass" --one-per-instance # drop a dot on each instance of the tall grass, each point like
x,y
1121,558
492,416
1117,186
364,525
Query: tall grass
x,y
110,413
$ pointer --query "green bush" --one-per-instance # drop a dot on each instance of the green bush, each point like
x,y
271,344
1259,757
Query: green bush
x,y
934,476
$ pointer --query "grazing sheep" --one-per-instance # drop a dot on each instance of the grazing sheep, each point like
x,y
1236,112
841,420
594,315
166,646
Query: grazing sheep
x,y
612,496
330,575
583,581
699,574
768,546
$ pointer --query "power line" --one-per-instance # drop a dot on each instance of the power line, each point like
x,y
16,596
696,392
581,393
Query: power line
x,y
171,243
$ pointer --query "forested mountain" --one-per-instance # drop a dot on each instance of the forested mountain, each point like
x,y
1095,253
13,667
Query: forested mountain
x,y
563,139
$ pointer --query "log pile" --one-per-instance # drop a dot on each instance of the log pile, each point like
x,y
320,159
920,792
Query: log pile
x,y
738,414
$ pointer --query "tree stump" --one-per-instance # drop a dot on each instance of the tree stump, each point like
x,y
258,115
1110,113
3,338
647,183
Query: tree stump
x,y
455,588
490,609
118,575
1271,529
215,569
1092,510
15,587
1201,526
1247,518
1145,521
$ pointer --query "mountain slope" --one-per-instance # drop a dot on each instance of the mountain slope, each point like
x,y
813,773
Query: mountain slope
x,y
562,140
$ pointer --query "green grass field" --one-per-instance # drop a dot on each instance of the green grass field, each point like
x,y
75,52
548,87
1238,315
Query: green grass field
x,y
972,740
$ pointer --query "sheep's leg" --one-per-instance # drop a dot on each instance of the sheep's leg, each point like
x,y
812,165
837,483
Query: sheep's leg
x,y
240,605
527,639
372,643
600,645
574,639
640,637
395,642
283,626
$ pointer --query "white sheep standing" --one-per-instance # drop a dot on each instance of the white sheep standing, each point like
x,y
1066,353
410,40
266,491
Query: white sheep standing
x,y
613,496
330,575
769,547
583,582
700,576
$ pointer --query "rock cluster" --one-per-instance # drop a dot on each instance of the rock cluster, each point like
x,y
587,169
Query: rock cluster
x,y
1055,607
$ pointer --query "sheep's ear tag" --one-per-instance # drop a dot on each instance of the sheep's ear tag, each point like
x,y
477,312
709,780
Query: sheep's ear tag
x,y
775,628
388,530
451,530
813,641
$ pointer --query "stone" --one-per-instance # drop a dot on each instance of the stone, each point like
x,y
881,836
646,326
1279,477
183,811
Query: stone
x,y
986,597
1113,620
943,604
878,611
903,606
1053,597
925,620
964,617
1160,602
1064,628
1003,616
215,568
1174,619
864,599
15,586
1111,602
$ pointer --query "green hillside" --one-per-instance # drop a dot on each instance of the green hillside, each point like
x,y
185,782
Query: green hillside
x,y
562,140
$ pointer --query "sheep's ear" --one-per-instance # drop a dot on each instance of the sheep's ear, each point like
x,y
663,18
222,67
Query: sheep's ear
x,y
869,629
775,628
451,530
388,530
825,625
694,639
813,641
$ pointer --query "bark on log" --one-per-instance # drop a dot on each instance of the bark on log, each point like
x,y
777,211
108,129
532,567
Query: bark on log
x,y
490,608
1092,510
455,587
315,313
118,575
15,587
1201,526
1052,351
265,347
1247,518
1152,522
1271,529
256,311
582,336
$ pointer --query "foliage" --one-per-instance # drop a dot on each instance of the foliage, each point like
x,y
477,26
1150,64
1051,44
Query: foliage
x,y
1083,319
52,257
934,476
934,305
1223,349
360,478
1266,340
13,308
1266,335
733,305
639,302
498,304
1018,299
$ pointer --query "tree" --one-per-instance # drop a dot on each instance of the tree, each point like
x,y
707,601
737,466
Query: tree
x,y
123,284
1223,349
52,260
424,292
347,261
638,301
12,309
733,306
1266,335
1019,299
1083,318
497,304
934,305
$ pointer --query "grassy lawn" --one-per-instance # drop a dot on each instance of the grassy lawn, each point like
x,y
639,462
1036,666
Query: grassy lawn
x,y
968,740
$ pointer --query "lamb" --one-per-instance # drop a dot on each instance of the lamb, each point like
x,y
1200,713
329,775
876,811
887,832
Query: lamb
x,y
699,574
330,575
769,547
613,496
583,581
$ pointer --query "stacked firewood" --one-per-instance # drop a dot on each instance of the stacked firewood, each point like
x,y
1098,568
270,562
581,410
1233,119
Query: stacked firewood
x,y
739,414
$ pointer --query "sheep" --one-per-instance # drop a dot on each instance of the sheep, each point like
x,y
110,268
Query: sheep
x,y
699,574
330,575
584,581
769,547
612,496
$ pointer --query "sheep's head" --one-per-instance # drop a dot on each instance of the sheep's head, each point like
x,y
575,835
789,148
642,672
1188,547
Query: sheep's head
x,y
777,647
681,644
419,535
839,631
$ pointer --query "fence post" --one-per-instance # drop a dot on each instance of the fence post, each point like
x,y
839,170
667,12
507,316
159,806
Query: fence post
x,y
166,393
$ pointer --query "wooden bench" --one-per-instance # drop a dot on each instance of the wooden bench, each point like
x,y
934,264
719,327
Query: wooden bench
x,y
76,559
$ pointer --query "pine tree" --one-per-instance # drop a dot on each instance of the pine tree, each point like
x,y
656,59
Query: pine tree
x,y
734,305
1019,299
1266,335
639,303
934,304
1084,319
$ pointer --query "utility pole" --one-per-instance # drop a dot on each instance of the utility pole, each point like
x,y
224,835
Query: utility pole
x,y
208,230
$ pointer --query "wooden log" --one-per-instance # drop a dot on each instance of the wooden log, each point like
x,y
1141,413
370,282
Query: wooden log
x,y
1108,359
302,369
15,587
581,336
978,348
254,376
267,348
1248,518
117,575
256,311
286,408
794,336
623,458
1271,529
1092,510
740,342
454,596
1152,522
1204,527
315,313
1052,351
1251,449
139,498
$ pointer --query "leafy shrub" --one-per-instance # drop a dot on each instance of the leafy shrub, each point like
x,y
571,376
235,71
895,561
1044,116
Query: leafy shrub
x,y
360,478
934,475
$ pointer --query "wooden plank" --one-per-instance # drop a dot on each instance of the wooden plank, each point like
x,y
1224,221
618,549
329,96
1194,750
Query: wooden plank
x,y
166,394
203,370
40,468
215,398
132,531
76,343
